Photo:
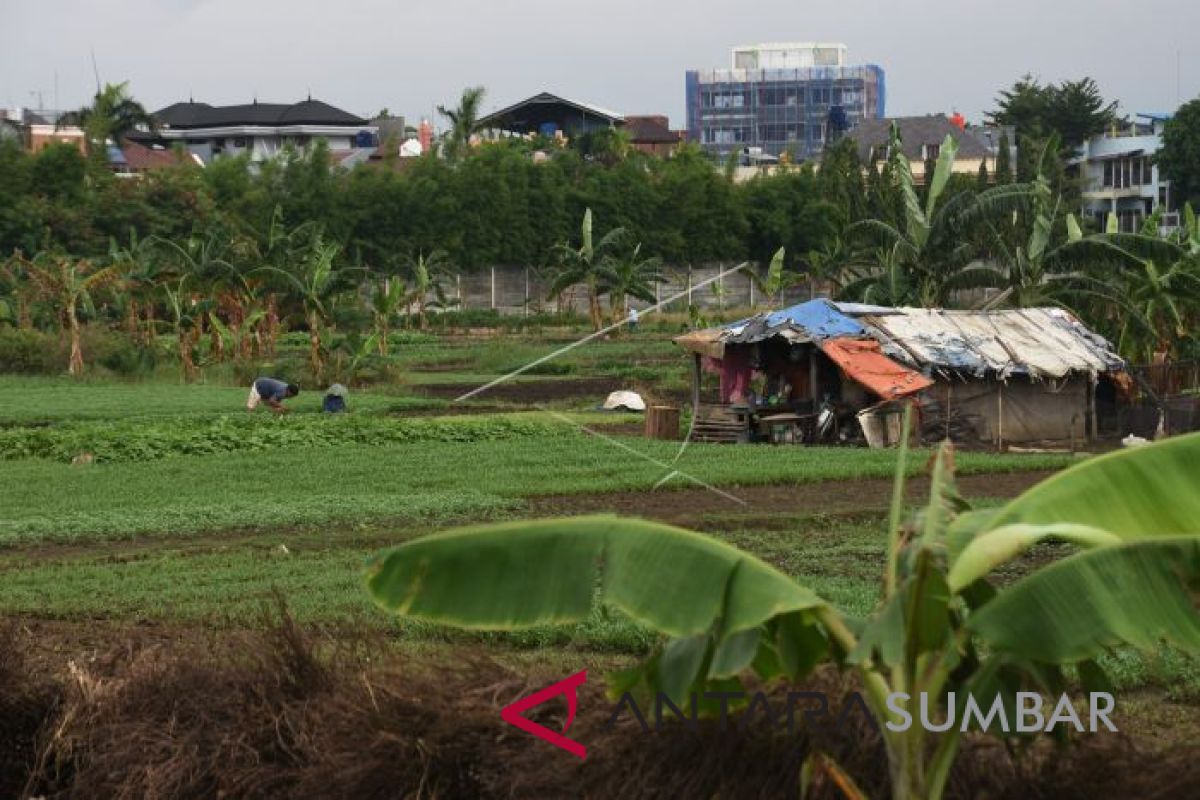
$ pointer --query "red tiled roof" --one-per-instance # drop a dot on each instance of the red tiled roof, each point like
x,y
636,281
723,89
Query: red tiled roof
x,y
650,130
139,157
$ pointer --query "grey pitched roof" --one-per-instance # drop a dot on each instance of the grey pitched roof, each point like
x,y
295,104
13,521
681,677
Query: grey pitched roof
x,y
202,115
872,134
543,104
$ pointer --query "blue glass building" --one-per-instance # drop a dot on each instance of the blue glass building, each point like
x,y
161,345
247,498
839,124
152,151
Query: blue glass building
x,y
781,98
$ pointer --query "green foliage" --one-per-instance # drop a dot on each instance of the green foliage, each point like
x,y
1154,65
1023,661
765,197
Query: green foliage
x,y
24,352
1071,110
143,440
1179,157
1134,584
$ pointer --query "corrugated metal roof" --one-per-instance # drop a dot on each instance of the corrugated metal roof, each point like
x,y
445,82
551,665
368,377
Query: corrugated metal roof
x,y
1039,342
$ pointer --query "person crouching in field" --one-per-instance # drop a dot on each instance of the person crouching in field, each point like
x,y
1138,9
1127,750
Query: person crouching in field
x,y
272,392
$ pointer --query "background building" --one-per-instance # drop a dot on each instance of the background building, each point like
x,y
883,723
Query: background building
x,y
550,115
778,98
258,129
1119,176
921,142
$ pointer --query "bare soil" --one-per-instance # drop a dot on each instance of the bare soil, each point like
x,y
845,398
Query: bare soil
x,y
683,506
291,712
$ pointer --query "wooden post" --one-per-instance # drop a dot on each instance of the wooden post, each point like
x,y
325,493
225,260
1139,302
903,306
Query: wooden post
x,y
695,383
662,422
751,290
1095,425
689,286
949,396
999,416
812,377
493,300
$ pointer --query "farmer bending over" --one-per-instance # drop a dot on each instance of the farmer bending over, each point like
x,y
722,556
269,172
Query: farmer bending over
x,y
271,392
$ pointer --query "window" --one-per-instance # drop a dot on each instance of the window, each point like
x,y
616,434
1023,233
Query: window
x,y
1108,174
239,141
1137,172
932,151
775,96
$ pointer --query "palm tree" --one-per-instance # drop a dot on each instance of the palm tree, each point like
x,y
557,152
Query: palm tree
x,y
629,274
586,265
67,283
463,119
113,115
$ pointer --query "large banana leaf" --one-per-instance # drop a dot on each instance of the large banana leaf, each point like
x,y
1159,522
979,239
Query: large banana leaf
x,y
1144,491
520,574
1150,491
1135,593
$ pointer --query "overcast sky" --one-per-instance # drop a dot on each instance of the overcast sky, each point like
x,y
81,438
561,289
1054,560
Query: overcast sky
x,y
627,55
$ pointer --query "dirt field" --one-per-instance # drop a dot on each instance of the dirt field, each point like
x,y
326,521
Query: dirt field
x,y
684,506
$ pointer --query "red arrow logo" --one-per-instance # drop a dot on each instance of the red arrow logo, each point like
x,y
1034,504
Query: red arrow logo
x,y
567,687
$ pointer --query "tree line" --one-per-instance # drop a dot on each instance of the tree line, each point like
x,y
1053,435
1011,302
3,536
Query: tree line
x,y
241,251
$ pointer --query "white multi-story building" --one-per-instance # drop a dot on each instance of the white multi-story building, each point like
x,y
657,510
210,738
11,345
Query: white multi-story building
x,y
788,55
1119,176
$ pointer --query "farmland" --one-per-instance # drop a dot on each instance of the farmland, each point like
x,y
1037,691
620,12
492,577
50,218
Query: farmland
x,y
189,518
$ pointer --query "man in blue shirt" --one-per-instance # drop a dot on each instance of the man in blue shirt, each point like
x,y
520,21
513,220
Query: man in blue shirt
x,y
272,392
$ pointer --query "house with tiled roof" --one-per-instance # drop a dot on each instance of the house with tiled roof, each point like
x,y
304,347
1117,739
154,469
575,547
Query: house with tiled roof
x,y
260,130
921,140
652,134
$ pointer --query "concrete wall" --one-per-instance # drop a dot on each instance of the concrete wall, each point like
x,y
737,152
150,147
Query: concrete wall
x,y
511,290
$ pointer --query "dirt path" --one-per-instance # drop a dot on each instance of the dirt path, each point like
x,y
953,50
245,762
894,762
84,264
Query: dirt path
x,y
684,505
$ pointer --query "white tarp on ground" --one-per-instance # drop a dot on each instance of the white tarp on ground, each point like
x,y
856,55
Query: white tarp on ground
x,y
629,401
1039,342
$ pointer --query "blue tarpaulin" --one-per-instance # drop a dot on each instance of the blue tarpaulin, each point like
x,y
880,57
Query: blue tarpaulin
x,y
816,320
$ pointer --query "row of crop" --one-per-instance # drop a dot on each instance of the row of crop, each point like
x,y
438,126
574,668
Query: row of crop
x,y
149,439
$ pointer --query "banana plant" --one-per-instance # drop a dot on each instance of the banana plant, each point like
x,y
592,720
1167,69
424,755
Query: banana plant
x,y
941,627
68,283
775,281
928,245
585,265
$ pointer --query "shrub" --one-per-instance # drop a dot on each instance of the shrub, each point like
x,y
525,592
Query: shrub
x,y
26,352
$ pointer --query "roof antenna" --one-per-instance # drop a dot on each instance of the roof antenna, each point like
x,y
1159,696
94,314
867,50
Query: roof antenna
x,y
310,94
95,70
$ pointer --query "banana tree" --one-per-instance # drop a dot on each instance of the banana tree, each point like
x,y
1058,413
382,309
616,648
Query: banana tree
x,y
67,283
630,274
424,290
186,313
314,281
929,244
942,628
585,264
19,295
387,298
775,281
